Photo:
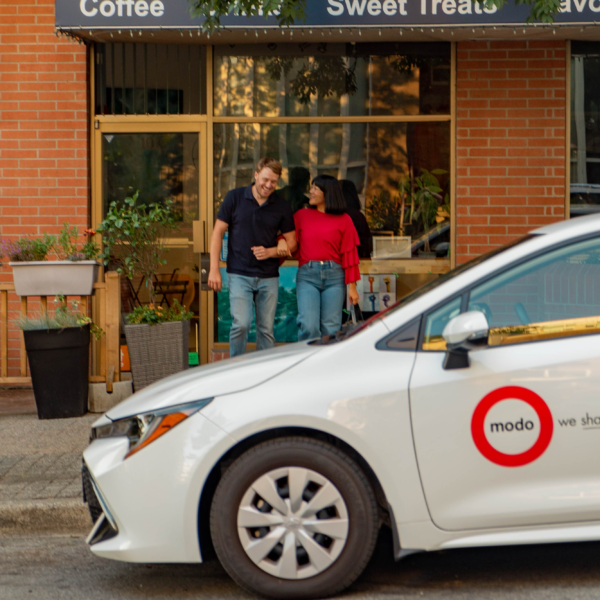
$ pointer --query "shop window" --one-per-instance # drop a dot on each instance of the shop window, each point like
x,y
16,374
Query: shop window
x,y
585,128
388,163
324,80
154,79
376,157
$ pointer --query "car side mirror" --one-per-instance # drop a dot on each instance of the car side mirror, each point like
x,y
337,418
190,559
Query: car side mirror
x,y
463,333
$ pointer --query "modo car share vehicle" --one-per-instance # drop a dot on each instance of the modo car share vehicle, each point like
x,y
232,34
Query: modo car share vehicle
x,y
466,415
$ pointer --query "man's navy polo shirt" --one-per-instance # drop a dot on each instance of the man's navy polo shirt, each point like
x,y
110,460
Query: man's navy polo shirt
x,y
252,224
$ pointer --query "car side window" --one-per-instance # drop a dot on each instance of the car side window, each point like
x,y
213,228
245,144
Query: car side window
x,y
435,323
553,295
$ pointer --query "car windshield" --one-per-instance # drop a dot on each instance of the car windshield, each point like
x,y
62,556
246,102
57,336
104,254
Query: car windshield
x,y
351,331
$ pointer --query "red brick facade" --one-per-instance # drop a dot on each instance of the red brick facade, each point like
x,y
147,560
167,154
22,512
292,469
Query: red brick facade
x,y
44,141
44,172
510,143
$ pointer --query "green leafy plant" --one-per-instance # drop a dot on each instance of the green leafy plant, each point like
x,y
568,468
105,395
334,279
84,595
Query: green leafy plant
x,y
383,212
63,317
424,195
27,249
134,237
67,248
150,314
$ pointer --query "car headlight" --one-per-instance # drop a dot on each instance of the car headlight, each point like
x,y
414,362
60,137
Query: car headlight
x,y
145,428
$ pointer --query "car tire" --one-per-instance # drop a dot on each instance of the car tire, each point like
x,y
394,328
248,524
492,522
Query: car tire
x,y
305,562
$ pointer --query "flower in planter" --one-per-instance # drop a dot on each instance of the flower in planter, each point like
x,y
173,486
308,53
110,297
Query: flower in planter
x,y
27,249
66,246
150,314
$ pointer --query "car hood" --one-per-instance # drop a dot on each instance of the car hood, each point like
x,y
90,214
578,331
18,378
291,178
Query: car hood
x,y
216,379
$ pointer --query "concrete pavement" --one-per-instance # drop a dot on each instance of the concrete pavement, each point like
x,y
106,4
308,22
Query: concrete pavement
x,y
40,468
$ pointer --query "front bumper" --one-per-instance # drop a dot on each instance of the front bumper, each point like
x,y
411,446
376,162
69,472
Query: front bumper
x,y
152,498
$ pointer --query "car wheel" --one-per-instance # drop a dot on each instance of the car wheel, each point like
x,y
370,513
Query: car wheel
x,y
294,518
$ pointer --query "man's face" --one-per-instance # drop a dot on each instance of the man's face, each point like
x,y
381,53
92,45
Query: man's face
x,y
266,182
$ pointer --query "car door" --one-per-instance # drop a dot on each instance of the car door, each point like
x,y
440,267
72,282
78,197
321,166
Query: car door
x,y
513,439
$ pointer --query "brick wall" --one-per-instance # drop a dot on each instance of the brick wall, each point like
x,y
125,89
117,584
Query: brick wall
x,y
510,141
44,178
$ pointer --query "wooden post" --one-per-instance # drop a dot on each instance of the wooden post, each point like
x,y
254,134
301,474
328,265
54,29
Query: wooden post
x,y
4,333
23,351
113,322
44,302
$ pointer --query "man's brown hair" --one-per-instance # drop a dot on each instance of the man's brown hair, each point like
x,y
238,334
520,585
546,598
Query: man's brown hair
x,y
269,163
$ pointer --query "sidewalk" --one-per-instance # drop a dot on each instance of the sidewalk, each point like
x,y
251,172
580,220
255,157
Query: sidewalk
x,y
40,468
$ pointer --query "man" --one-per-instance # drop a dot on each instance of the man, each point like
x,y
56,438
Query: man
x,y
254,216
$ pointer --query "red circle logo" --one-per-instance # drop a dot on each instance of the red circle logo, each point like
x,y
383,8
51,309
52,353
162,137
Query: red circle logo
x,y
512,392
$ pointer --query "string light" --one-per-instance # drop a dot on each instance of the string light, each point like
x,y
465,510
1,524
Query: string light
x,y
380,32
400,30
245,32
256,33
359,32
131,33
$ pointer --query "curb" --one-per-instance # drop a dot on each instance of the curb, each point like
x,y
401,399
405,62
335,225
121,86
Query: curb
x,y
59,515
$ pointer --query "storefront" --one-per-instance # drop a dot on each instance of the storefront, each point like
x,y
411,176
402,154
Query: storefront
x,y
376,93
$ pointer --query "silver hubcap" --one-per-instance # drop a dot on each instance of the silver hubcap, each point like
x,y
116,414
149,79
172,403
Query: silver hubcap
x,y
293,523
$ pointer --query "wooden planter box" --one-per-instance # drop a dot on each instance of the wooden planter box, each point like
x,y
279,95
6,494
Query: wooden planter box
x,y
157,351
51,278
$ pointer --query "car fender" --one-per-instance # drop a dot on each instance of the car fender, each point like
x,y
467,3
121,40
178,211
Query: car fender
x,y
331,393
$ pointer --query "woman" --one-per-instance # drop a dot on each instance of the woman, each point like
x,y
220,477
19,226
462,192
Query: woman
x,y
327,259
354,210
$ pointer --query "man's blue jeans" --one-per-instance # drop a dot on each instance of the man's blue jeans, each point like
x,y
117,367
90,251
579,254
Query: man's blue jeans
x,y
243,293
320,289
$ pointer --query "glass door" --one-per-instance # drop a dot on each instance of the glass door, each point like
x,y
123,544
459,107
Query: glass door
x,y
160,162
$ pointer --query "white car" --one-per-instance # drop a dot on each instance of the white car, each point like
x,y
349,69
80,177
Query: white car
x,y
466,415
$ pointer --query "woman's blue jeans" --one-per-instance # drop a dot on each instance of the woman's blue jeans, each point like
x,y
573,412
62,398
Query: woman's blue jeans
x,y
243,293
320,289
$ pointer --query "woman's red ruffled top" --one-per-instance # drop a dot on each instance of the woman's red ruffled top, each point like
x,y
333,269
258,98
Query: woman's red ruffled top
x,y
322,236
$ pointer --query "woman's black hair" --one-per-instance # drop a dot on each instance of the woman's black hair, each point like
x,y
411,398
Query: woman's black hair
x,y
334,199
350,194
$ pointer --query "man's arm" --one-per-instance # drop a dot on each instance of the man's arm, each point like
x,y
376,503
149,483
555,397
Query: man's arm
x,y
215,281
290,238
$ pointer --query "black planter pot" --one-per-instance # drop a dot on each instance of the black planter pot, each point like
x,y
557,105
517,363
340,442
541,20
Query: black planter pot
x,y
59,363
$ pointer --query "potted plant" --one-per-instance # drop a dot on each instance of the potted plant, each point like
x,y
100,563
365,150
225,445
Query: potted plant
x,y
157,341
58,348
422,194
134,238
72,274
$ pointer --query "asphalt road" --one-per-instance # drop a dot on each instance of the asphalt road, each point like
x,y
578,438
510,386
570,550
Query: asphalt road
x,y
61,566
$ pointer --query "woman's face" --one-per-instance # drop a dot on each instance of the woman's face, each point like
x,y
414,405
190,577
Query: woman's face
x,y
316,197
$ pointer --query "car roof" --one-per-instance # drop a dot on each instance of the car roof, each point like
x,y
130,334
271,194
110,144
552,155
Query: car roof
x,y
572,227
